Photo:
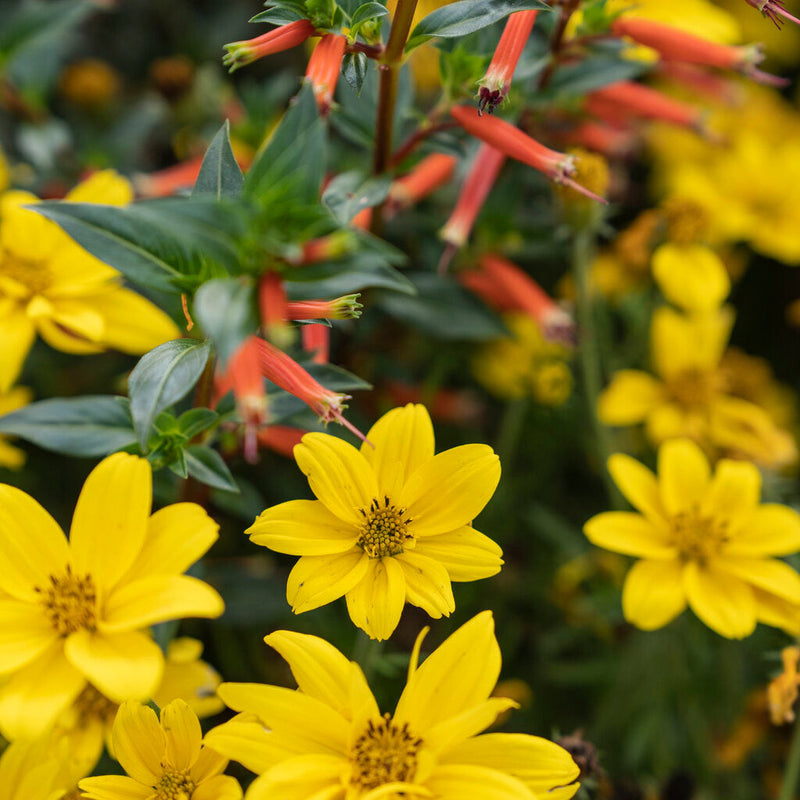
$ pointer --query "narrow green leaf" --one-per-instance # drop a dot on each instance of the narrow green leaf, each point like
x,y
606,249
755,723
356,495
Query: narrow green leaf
x,y
467,16
206,465
220,175
354,69
161,378
179,465
95,425
225,309
196,420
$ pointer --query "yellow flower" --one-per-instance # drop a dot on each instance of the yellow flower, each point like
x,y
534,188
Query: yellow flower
x,y
50,285
692,276
164,758
782,690
35,770
329,739
10,456
391,523
691,398
78,610
703,540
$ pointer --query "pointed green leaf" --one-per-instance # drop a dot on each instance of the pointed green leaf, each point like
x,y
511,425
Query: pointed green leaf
x,y
161,378
220,175
206,465
196,420
225,309
350,192
354,69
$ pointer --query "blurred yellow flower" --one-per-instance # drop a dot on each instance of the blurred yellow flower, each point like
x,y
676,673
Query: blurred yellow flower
x,y
328,739
692,276
782,691
524,365
164,758
50,285
35,770
391,523
702,540
78,610
10,456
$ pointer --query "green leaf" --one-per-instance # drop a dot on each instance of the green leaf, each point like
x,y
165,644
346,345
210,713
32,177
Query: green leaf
x,y
443,309
593,73
220,175
95,425
337,278
179,465
282,12
354,69
465,17
225,309
206,465
196,420
364,13
350,192
152,243
161,378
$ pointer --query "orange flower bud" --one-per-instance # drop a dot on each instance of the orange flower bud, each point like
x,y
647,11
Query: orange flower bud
x,y
323,69
272,307
275,41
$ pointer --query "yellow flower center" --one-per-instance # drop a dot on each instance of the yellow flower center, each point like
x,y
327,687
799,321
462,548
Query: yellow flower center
x,y
93,705
697,537
693,388
384,753
33,275
175,785
70,601
384,531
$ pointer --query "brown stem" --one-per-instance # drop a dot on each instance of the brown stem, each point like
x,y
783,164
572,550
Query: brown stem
x,y
416,138
568,8
369,50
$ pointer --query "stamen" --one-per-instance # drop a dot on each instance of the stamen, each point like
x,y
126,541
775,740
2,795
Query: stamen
x,y
384,753
70,602
385,531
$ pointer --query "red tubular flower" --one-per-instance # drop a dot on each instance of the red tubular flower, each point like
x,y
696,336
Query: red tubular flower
x,y
673,44
272,307
362,220
482,175
345,307
317,341
774,10
506,287
559,167
497,81
323,69
281,438
275,41
425,178
284,371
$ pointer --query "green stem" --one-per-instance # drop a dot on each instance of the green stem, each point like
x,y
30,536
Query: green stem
x,y
790,776
511,431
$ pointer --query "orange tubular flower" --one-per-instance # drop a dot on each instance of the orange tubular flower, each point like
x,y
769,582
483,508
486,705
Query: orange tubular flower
x,y
281,438
323,69
673,44
168,181
506,287
497,81
345,307
275,41
317,341
273,308
559,167
774,10
610,142
425,178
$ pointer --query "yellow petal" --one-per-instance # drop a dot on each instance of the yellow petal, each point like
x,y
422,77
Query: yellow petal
x,y
317,580
264,789
539,763
76,273
447,735
220,787
67,338
630,534
465,553
376,602
158,598
469,782
25,633
34,697
653,594
249,743
207,764
32,547
321,671
120,665
401,436
775,611
182,734
458,675
450,489
104,186
681,342
24,232
691,276
114,787
177,536
427,584
302,528
301,776
18,335
768,574
683,475
110,520
338,474
670,420
725,603
734,493
770,530
139,742
638,485
291,712
629,398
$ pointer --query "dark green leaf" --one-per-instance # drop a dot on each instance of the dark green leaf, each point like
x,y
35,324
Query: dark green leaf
x,y
354,69
196,420
366,12
337,278
467,16
349,193
161,378
220,175
79,426
593,73
206,465
179,466
225,309
281,13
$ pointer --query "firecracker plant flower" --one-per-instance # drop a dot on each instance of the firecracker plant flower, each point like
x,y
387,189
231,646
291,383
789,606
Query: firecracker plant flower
x,y
164,759
79,610
391,523
703,540
329,739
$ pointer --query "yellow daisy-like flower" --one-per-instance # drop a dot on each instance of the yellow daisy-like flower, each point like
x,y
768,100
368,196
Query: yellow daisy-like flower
x,y
329,740
164,759
50,285
690,396
391,523
78,610
703,540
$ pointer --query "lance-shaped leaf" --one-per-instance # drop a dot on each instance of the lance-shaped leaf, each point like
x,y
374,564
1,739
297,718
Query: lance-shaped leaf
x,y
225,309
161,378
219,174
465,17
350,192
94,425
206,465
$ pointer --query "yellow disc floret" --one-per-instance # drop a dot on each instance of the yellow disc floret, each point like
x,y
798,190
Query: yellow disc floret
x,y
70,602
384,753
385,531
